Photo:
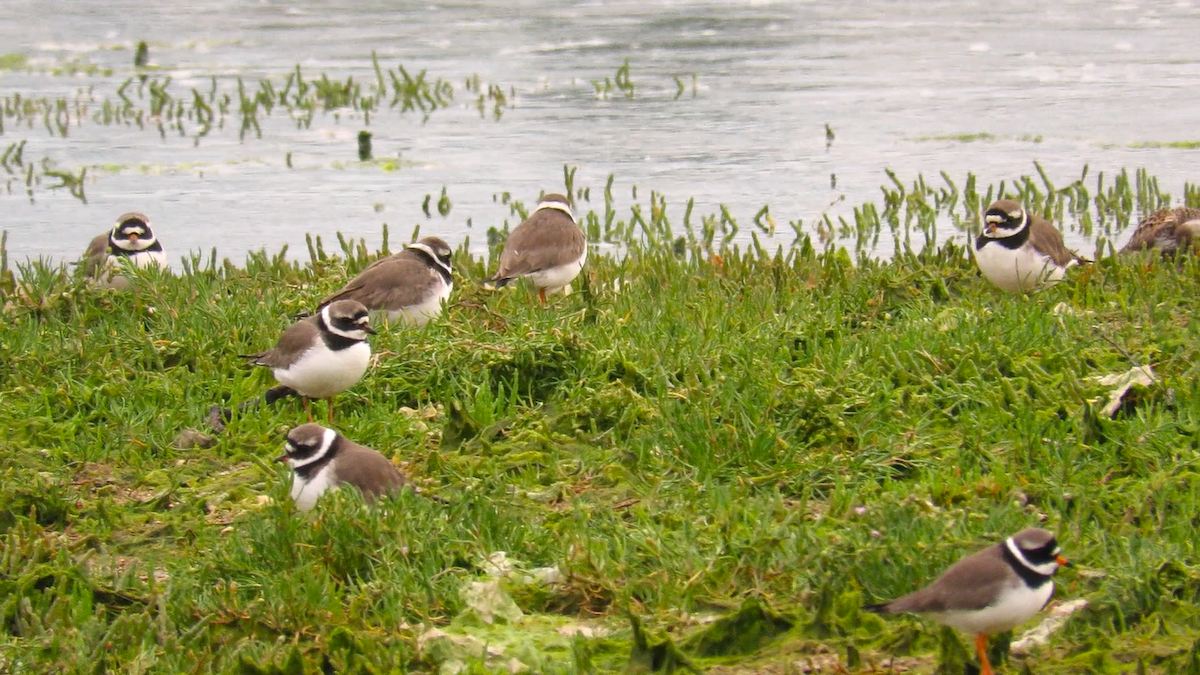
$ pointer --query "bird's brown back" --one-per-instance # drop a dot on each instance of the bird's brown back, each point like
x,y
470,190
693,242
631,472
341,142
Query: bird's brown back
x,y
1165,230
548,238
970,584
367,470
1046,238
399,280
294,342
96,255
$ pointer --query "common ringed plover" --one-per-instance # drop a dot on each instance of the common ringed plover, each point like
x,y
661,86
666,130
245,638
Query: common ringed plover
x,y
322,459
1020,251
548,247
321,355
412,284
1168,230
129,239
994,590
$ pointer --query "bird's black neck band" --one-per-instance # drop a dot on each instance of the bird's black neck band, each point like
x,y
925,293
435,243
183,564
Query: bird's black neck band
x,y
1013,242
332,340
1032,578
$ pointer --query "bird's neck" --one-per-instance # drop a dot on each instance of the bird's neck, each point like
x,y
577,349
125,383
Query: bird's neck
x,y
1031,577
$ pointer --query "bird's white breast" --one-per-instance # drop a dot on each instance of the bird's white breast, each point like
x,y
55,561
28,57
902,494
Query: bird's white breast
x,y
140,259
306,492
555,278
1017,270
1016,605
430,308
322,372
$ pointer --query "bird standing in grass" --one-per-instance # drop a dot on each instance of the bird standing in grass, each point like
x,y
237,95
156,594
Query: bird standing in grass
x,y
994,590
321,355
548,248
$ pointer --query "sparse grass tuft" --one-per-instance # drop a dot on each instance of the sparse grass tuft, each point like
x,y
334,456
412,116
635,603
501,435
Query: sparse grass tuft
x,y
1177,145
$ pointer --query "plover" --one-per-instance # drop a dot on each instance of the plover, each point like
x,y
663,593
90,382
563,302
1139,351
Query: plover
x,y
129,239
1019,251
321,459
994,590
414,283
1168,230
548,248
321,355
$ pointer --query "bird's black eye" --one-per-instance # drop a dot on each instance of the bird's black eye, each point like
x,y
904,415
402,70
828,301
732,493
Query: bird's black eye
x,y
1044,553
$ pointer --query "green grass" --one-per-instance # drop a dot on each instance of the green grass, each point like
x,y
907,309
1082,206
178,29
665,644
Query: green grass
x,y
984,137
770,438
13,61
1177,145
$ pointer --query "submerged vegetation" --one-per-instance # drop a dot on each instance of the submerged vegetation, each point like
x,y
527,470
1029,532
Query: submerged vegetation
x,y
147,101
150,102
707,457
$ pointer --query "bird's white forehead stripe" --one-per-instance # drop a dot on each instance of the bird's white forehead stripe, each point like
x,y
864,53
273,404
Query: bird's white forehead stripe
x,y
993,218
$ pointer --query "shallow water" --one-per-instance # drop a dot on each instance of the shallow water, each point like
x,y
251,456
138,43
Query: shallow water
x,y
1065,84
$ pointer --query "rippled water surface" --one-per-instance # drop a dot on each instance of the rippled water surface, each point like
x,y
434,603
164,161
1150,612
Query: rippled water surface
x,y
920,88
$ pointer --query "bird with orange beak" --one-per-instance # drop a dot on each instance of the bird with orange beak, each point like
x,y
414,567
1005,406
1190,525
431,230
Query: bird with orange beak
x,y
994,590
130,239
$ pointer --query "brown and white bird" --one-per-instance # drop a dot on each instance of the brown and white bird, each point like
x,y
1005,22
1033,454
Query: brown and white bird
x,y
1168,230
322,459
129,239
413,283
321,355
994,590
1019,251
548,248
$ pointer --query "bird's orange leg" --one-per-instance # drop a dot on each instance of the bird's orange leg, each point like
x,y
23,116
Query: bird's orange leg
x,y
985,668
307,407
542,295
